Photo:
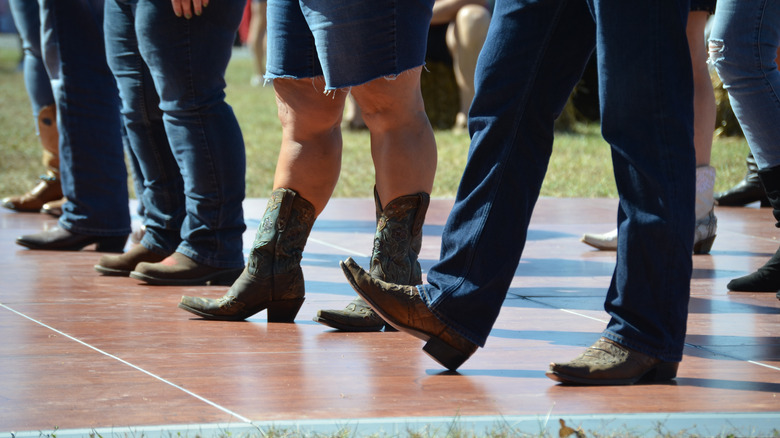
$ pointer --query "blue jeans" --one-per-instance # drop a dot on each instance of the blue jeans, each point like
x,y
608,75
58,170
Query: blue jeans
x,y
187,141
92,162
534,55
28,22
743,46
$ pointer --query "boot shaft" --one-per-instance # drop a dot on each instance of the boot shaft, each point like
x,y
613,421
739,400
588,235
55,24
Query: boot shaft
x,y
48,135
398,239
282,234
770,179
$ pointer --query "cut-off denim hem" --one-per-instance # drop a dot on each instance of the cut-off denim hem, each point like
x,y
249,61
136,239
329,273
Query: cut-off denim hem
x,y
329,90
349,43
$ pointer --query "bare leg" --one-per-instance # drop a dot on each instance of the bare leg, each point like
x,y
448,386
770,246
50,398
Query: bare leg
x,y
465,36
704,110
256,40
403,147
310,155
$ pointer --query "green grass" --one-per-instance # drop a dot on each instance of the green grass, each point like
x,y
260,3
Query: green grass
x,y
580,165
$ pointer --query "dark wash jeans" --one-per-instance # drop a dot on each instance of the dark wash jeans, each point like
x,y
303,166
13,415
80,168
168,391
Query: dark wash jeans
x,y
187,141
92,160
534,55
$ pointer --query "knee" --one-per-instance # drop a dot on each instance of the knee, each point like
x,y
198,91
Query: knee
x,y
472,16
715,50
386,101
732,66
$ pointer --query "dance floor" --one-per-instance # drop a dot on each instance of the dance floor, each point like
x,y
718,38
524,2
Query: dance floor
x,y
83,354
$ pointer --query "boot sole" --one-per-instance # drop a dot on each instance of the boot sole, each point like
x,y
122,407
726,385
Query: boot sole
x,y
283,311
662,372
111,272
223,278
347,328
440,351
115,244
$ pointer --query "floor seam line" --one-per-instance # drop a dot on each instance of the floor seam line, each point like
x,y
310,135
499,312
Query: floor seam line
x,y
137,368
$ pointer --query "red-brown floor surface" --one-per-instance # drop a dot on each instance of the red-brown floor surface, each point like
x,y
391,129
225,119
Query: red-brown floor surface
x,y
82,352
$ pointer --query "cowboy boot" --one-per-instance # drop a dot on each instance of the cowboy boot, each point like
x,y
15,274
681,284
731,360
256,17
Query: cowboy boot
x,y
746,191
767,277
48,189
397,244
705,227
273,278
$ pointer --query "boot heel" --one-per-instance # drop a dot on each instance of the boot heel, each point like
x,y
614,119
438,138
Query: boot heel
x,y
111,244
704,246
662,372
447,355
285,310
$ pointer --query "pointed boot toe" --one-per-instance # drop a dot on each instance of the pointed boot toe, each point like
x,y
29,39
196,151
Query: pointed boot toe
x,y
356,317
403,308
605,242
608,363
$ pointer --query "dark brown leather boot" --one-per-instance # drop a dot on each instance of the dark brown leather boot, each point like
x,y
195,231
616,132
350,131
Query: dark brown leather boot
x,y
397,244
180,270
608,363
123,264
403,307
273,278
49,188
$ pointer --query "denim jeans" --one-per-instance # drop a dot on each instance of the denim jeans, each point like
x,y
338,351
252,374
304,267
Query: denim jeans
x,y
187,141
535,53
349,42
743,46
92,162
28,22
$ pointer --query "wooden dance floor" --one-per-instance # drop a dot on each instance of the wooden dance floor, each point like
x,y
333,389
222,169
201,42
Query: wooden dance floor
x,y
84,354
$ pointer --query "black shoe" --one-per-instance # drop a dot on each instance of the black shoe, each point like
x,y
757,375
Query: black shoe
x,y
747,191
59,239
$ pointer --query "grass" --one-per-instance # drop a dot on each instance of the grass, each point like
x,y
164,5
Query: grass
x,y
580,165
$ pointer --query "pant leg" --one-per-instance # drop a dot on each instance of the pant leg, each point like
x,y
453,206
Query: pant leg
x,y
28,22
93,172
161,189
187,60
746,35
534,55
646,94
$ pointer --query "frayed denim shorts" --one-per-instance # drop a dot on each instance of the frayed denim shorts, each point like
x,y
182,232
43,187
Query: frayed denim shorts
x,y
349,42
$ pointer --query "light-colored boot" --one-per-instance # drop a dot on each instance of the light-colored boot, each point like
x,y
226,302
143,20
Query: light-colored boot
x,y
48,189
706,223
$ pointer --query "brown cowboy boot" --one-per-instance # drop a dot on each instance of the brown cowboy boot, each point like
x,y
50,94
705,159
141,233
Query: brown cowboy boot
x,y
403,307
48,189
273,278
397,244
